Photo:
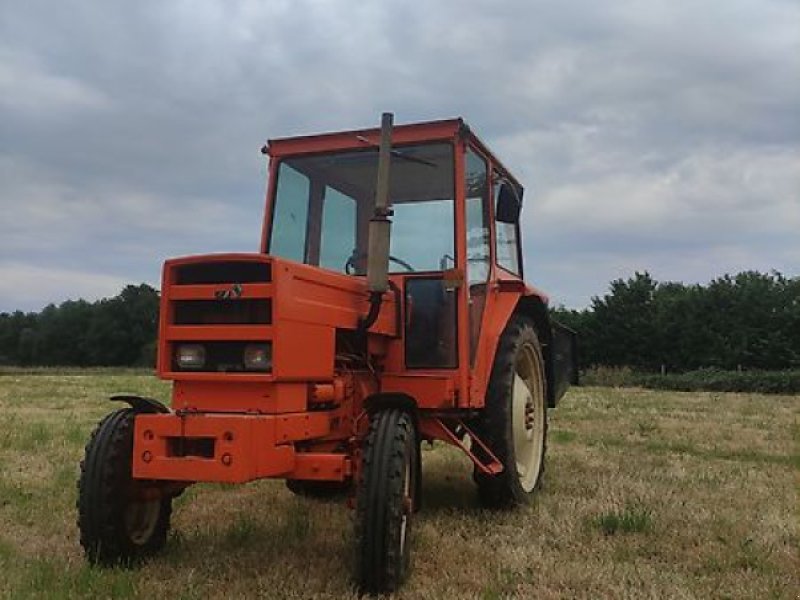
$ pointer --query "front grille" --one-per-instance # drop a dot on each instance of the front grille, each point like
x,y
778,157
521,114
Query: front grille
x,y
256,311
224,272
222,305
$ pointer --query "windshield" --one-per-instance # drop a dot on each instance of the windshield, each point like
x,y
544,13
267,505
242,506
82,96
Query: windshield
x,y
323,204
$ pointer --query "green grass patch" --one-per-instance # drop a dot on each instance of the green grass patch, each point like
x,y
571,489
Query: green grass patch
x,y
646,428
297,522
682,447
25,435
14,496
244,531
631,519
7,551
50,578
561,436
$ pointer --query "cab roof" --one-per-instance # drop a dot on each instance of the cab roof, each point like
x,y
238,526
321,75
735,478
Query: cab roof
x,y
426,131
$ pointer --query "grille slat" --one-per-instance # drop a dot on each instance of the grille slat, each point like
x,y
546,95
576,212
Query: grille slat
x,y
224,272
223,312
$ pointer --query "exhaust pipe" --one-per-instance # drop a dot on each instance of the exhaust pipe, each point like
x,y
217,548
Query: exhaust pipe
x,y
380,228
380,225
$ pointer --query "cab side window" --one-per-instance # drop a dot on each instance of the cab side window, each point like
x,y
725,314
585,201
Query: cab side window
x,y
506,242
475,192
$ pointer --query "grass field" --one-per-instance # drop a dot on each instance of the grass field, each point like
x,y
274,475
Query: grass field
x,y
646,494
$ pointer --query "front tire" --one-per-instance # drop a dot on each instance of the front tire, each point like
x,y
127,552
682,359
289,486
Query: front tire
x,y
386,497
116,526
514,420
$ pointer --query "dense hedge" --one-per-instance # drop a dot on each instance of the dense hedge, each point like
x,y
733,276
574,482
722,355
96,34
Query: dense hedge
x,y
714,380
737,322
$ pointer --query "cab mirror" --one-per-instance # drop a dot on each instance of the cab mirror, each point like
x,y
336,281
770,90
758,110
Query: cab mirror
x,y
509,203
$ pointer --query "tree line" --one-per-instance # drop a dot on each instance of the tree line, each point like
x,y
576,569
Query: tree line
x,y
118,331
746,321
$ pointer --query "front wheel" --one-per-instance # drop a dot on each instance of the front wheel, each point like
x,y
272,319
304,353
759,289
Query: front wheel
x,y
514,420
385,500
118,523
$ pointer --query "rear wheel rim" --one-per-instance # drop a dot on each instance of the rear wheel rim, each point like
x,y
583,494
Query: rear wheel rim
x,y
141,519
527,418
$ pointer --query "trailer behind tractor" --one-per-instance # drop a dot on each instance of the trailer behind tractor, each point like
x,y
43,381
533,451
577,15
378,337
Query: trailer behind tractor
x,y
386,307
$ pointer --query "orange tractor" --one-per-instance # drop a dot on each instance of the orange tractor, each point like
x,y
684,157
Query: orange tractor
x,y
386,307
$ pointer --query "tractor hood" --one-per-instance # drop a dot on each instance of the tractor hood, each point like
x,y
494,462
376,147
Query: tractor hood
x,y
215,308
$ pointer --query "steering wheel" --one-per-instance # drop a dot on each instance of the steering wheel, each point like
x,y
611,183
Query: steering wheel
x,y
350,265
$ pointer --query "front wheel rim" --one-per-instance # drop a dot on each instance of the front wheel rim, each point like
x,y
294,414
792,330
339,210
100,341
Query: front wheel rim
x,y
141,519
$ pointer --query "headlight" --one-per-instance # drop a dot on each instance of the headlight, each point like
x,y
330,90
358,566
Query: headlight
x,y
258,357
190,357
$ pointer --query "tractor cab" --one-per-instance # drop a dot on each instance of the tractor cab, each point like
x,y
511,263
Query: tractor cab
x,y
455,234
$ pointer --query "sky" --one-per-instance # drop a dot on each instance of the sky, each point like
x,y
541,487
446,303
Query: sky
x,y
650,135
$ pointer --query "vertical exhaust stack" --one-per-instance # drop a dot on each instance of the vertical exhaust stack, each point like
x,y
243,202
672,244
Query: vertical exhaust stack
x,y
380,227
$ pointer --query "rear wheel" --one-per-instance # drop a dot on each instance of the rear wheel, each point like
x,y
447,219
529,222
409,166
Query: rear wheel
x,y
514,421
385,501
117,523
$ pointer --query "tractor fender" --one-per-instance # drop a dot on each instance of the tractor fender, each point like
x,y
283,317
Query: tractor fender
x,y
535,308
140,404
515,297
559,344
381,401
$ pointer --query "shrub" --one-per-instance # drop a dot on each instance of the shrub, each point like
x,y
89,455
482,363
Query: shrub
x,y
716,380
711,379
607,376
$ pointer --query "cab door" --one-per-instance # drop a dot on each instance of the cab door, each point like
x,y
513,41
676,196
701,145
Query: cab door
x,y
478,243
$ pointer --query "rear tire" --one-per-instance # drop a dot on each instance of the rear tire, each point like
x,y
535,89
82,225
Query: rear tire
x,y
514,421
116,527
385,500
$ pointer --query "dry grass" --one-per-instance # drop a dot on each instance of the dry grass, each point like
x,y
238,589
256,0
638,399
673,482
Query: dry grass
x,y
647,494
